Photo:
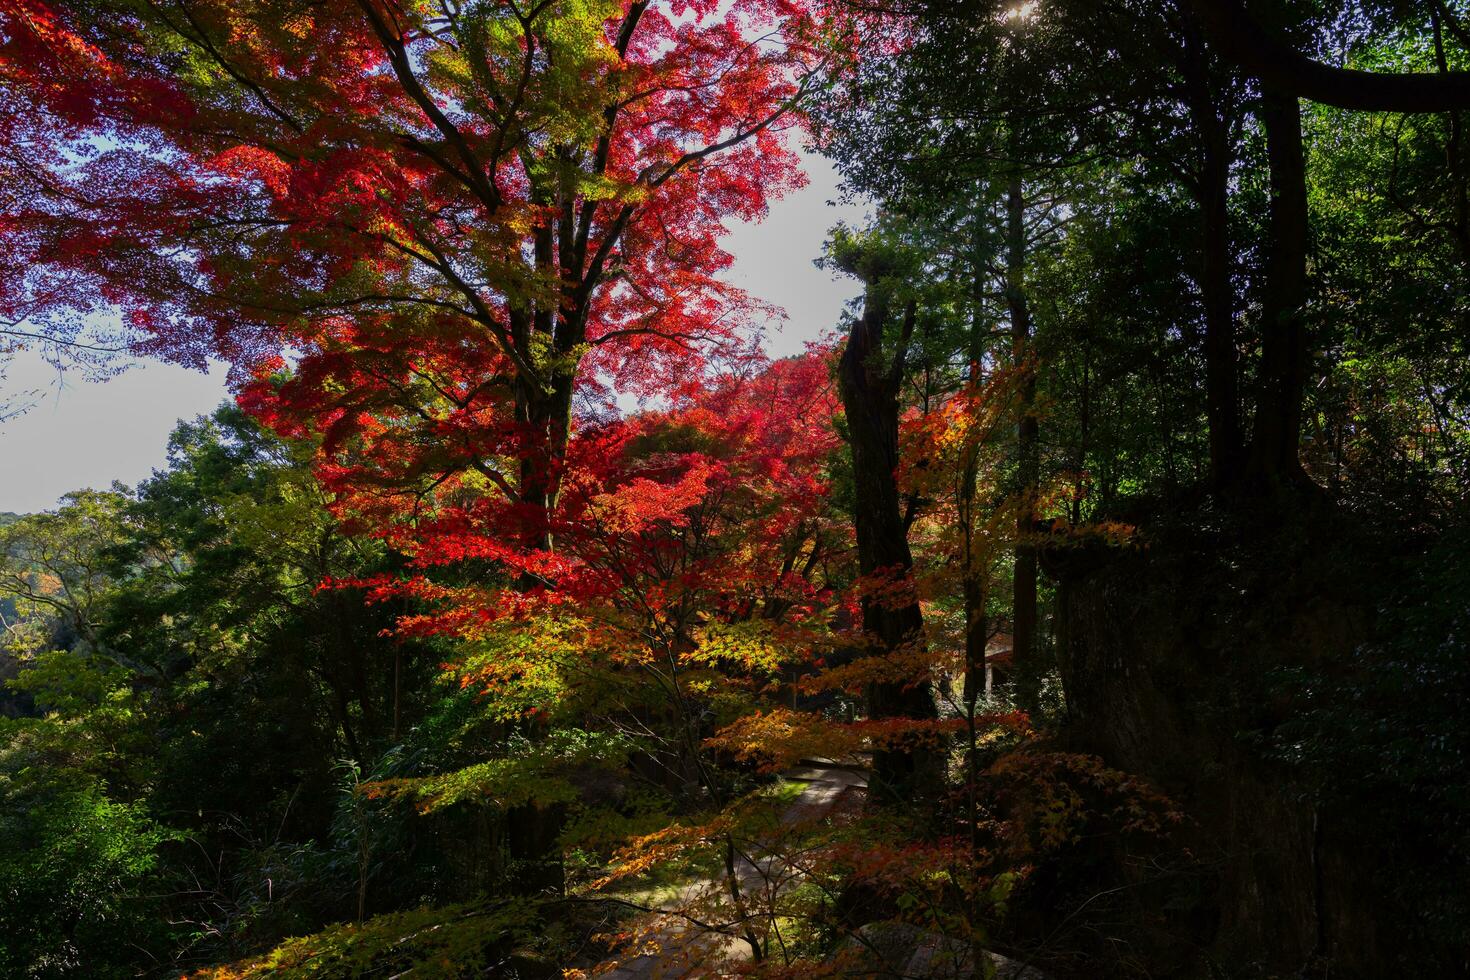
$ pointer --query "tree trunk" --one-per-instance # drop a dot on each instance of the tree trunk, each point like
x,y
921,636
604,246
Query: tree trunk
x,y
1283,372
977,632
976,581
533,837
1217,293
534,481
1023,586
543,410
870,399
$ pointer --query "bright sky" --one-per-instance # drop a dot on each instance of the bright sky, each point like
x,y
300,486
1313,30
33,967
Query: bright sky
x,y
87,435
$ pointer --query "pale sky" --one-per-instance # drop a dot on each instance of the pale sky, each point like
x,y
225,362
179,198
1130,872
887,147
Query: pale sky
x,y
82,434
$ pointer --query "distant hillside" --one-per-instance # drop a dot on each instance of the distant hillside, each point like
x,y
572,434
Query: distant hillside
x,y
6,517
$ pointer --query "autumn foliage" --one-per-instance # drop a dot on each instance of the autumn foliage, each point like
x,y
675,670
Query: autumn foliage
x,y
464,262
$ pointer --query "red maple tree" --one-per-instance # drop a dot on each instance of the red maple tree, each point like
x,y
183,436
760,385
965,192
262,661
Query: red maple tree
x,y
448,219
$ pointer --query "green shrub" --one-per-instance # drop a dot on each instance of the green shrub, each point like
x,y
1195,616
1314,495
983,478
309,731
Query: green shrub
x,y
75,894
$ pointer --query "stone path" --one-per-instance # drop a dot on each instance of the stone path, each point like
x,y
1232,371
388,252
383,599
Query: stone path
x,y
682,944
684,948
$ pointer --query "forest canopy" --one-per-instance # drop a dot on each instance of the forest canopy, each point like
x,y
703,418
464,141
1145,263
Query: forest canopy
x,y
1089,600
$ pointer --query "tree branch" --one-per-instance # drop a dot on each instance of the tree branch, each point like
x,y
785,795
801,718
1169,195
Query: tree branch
x,y
1241,39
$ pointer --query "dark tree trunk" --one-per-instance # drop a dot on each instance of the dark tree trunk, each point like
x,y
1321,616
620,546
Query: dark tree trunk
x,y
977,633
1168,653
1023,585
544,426
1222,397
1454,147
1283,372
1217,292
870,391
533,837
976,581
543,410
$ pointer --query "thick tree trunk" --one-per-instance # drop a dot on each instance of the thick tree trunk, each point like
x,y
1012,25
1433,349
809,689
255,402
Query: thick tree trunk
x,y
1283,373
870,399
1454,147
543,410
535,482
1217,292
1222,397
1023,585
1167,654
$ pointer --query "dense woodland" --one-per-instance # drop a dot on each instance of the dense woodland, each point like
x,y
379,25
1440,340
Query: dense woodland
x,y
1090,601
